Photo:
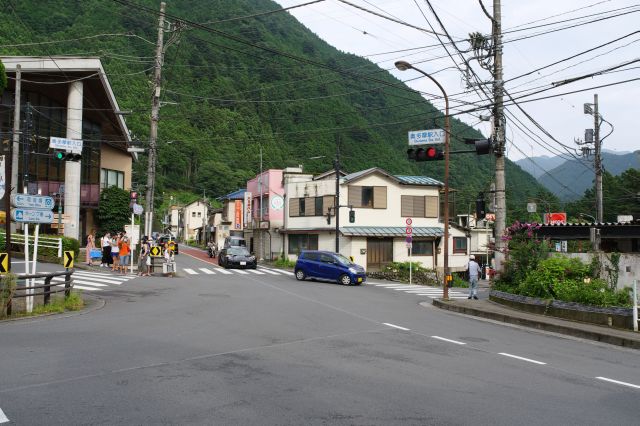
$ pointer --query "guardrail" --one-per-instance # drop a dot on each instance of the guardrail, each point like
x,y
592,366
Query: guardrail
x,y
45,289
49,242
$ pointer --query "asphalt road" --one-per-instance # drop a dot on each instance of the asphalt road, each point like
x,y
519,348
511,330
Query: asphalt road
x,y
264,349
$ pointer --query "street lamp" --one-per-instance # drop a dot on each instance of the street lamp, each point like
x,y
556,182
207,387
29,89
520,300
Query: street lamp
x,y
403,66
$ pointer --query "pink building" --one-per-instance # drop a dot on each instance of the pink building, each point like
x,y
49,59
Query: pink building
x,y
266,195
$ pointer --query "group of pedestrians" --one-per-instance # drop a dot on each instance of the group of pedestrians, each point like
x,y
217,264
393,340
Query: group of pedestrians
x,y
116,251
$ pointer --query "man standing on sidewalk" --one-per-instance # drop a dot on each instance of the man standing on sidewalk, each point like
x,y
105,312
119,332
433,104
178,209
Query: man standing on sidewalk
x,y
474,272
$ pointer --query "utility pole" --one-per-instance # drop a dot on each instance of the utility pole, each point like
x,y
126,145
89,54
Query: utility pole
x,y
336,165
598,160
153,134
28,124
12,179
499,134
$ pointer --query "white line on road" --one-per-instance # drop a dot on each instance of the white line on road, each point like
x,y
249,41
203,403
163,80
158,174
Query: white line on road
x,y
396,326
523,359
3,417
240,271
81,287
190,271
207,271
631,385
448,340
268,271
256,271
223,271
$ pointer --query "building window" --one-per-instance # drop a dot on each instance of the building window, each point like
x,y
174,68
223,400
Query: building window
x,y
199,214
193,214
111,178
309,206
418,206
422,248
460,245
299,242
368,197
318,206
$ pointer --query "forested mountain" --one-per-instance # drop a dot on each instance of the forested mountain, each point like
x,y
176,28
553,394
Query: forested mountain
x,y
537,166
572,178
245,84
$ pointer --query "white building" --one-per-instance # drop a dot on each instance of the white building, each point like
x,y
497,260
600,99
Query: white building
x,y
481,236
187,222
382,204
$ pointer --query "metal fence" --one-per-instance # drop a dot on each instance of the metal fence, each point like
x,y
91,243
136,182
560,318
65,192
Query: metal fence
x,y
45,290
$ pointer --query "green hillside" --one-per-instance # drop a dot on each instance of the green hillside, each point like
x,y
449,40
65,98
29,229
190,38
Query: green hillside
x,y
224,99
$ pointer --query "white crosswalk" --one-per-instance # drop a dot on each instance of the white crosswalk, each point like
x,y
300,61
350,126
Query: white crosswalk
x,y
217,270
421,290
92,281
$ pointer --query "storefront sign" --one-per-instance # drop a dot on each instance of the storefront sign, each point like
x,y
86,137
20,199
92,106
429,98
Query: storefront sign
x,y
248,208
237,224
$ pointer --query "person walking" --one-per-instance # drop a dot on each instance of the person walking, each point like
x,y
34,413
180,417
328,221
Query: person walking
x,y
91,244
125,252
474,272
106,250
143,268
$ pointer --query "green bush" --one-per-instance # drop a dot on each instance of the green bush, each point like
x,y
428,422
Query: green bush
x,y
570,280
459,280
284,262
403,267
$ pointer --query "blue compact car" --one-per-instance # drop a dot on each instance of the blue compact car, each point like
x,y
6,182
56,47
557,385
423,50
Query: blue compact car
x,y
329,266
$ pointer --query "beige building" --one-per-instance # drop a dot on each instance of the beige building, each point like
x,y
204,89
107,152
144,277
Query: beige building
x,y
381,203
188,222
66,97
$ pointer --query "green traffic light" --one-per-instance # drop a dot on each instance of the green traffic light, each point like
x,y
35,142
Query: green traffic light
x,y
59,155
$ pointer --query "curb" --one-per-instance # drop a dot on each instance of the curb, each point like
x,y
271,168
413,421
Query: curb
x,y
541,325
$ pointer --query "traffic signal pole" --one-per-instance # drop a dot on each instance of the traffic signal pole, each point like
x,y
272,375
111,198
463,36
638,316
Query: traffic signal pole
x,y
153,134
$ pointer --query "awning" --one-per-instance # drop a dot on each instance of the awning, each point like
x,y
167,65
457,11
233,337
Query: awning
x,y
391,231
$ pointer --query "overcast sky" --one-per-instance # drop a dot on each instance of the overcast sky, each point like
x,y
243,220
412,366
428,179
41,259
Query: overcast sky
x,y
356,31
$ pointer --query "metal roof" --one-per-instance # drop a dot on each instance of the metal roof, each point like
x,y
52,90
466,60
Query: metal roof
x,y
418,180
391,231
235,195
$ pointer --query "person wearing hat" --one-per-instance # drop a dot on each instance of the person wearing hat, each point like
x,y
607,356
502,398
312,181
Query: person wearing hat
x,y
474,272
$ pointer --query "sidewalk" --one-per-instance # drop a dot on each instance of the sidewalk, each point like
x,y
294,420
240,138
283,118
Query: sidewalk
x,y
487,309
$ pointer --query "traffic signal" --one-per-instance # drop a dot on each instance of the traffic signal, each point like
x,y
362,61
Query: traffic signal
x,y
483,146
429,153
352,216
67,156
481,211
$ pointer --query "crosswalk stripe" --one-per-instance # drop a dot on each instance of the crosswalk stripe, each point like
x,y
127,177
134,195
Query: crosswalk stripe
x,y
269,271
240,271
223,271
99,274
256,271
81,287
59,281
207,271
101,280
190,271
281,271
106,278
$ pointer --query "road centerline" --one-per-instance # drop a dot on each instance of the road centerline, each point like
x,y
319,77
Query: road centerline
x,y
618,382
448,340
533,361
396,326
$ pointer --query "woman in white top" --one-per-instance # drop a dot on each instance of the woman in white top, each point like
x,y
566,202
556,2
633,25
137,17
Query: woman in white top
x,y
106,250
115,252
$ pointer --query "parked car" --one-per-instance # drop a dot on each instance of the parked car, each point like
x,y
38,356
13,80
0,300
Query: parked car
x,y
233,241
237,256
168,238
329,266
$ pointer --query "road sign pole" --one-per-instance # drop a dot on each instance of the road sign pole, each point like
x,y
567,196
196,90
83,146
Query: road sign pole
x,y
26,267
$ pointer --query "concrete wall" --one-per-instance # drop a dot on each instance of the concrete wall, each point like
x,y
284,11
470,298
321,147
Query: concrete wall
x,y
629,266
114,159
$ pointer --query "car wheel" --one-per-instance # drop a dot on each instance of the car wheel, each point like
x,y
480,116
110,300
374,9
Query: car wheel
x,y
345,279
300,276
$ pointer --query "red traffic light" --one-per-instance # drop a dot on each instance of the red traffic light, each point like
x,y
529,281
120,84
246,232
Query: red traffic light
x,y
430,153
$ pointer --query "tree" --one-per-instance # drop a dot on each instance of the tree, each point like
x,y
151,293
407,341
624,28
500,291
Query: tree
x,y
113,211
3,78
